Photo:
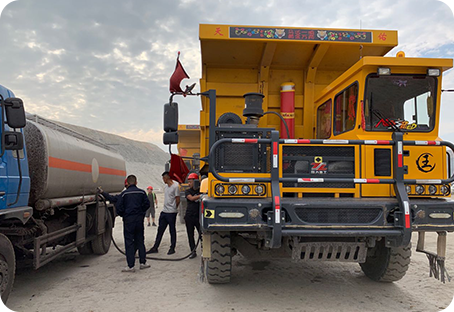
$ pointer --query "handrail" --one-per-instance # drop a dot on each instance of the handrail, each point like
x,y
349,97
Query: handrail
x,y
326,142
402,218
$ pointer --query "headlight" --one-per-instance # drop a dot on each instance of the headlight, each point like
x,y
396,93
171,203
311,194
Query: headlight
x,y
444,189
233,189
219,189
408,189
433,72
246,189
419,189
432,189
259,190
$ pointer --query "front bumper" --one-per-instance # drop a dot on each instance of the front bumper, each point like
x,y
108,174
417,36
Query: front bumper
x,y
359,217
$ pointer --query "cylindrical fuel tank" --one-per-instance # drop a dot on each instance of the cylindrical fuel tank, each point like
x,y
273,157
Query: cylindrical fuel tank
x,y
62,165
288,110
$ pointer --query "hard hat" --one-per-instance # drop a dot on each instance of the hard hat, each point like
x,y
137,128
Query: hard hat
x,y
150,188
194,176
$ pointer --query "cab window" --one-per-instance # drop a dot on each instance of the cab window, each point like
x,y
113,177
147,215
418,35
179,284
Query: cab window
x,y
400,103
324,120
345,104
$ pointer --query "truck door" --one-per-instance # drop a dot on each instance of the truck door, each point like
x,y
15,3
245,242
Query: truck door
x,y
3,165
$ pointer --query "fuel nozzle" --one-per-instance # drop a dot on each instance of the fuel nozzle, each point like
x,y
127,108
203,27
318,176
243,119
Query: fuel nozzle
x,y
253,107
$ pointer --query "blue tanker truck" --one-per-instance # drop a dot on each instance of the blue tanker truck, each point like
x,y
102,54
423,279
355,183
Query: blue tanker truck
x,y
48,180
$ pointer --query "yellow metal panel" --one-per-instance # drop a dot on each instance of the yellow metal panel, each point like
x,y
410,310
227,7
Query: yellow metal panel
x,y
232,89
229,75
368,169
333,35
242,47
425,162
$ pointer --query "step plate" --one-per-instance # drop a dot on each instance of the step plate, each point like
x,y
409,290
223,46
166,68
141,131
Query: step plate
x,y
330,251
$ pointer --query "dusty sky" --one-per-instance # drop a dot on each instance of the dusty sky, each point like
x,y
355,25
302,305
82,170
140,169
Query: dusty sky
x,y
105,64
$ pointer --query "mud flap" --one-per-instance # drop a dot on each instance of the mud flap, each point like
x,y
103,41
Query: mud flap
x,y
206,245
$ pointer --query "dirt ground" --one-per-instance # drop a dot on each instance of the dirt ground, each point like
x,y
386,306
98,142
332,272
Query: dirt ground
x,y
95,283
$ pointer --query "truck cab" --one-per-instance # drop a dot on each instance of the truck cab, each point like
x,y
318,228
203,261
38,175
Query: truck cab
x,y
13,202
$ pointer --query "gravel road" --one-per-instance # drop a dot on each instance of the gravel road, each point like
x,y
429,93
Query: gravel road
x,y
95,283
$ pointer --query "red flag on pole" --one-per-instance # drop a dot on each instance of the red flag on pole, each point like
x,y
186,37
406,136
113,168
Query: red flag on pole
x,y
178,169
178,75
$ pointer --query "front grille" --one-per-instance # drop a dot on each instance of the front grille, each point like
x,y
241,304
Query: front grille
x,y
244,158
318,162
338,215
235,157
320,151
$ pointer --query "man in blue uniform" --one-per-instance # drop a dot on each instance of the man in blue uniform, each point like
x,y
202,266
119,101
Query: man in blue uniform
x,y
131,205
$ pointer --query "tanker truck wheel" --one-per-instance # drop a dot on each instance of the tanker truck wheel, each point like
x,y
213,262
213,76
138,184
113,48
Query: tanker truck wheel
x,y
385,264
219,267
7,267
85,249
101,243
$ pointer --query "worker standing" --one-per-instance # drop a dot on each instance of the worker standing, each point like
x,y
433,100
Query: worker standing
x,y
131,206
153,206
191,217
168,215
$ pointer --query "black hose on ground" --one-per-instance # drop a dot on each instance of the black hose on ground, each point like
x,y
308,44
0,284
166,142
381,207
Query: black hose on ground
x,y
159,259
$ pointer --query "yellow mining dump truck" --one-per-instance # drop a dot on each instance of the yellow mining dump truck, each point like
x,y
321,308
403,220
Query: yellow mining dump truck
x,y
318,147
189,149
189,145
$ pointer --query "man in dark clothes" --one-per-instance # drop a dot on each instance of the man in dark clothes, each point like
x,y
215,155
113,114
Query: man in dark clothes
x,y
192,212
131,205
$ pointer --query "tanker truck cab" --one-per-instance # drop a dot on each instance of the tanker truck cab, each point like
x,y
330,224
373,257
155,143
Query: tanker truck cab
x,y
318,147
14,181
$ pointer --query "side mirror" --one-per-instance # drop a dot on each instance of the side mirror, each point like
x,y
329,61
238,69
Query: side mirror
x,y
15,112
170,138
13,140
171,117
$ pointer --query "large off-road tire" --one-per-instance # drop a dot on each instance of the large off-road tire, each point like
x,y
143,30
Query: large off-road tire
x,y
7,267
85,249
219,268
385,264
101,243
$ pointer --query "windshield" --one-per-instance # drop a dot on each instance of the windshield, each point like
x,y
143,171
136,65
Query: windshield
x,y
400,103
